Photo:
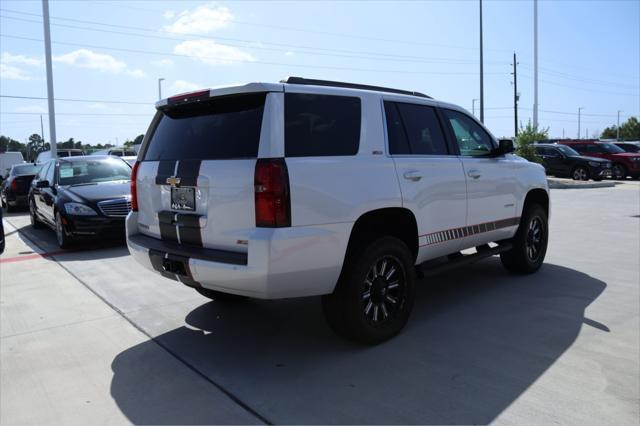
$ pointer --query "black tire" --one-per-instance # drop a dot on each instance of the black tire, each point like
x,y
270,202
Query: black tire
x,y
580,173
64,240
219,296
529,245
619,171
9,208
35,222
371,303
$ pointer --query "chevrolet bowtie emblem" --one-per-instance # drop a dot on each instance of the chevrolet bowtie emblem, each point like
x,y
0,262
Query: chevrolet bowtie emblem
x,y
173,181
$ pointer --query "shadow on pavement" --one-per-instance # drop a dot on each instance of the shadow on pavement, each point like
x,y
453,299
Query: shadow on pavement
x,y
477,339
44,239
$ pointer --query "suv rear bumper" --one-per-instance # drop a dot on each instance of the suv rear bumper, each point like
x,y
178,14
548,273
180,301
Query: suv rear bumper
x,y
278,263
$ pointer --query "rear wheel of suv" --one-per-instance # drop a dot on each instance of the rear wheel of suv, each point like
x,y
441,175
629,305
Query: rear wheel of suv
x,y
375,294
219,296
580,173
530,242
619,171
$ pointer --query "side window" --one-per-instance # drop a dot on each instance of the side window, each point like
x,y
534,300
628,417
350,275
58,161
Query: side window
x,y
414,129
552,152
591,149
472,139
321,125
50,172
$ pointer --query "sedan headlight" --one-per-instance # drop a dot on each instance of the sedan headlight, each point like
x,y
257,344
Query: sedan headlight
x,y
79,209
595,164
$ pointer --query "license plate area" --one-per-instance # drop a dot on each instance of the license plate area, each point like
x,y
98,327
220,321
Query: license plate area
x,y
183,199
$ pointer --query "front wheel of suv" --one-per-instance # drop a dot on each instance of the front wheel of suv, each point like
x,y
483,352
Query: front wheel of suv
x,y
529,243
580,173
375,293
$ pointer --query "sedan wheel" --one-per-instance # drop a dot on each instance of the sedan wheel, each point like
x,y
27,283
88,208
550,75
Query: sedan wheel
x,y
64,241
580,173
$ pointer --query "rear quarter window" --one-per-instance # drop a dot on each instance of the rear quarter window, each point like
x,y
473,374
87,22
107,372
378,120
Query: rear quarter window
x,y
220,128
321,125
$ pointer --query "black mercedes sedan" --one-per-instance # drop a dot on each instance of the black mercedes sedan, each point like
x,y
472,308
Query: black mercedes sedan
x,y
562,161
81,197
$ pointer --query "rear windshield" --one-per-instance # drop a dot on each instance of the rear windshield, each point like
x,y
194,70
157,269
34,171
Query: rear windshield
x,y
222,128
25,170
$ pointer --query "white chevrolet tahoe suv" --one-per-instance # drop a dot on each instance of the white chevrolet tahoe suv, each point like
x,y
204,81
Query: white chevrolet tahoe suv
x,y
312,187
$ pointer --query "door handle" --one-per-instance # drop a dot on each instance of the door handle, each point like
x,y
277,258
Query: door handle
x,y
474,173
412,175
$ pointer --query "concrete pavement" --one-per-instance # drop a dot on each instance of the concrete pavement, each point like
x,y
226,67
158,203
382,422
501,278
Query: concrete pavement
x,y
482,346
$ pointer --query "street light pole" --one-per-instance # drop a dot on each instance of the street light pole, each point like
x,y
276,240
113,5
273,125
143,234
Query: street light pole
x,y
535,63
481,70
49,67
618,127
160,88
579,109
473,106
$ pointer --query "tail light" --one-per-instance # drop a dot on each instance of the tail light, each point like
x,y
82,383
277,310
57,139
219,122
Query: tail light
x,y
14,185
273,204
134,191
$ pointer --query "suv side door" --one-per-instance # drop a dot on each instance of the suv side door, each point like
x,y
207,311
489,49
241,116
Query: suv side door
x,y
47,195
492,184
431,176
556,161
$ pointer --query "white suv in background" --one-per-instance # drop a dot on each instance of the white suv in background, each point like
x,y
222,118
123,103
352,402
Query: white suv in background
x,y
312,187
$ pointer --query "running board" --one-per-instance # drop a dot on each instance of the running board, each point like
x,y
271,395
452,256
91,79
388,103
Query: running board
x,y
436,266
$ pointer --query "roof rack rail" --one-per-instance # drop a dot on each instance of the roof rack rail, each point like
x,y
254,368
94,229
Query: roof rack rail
x,y
313,82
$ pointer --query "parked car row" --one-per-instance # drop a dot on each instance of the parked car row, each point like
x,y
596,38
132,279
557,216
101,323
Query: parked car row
x,y
587,159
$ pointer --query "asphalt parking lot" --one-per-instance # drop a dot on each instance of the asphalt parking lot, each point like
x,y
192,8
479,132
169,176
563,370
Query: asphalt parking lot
x,y
88,336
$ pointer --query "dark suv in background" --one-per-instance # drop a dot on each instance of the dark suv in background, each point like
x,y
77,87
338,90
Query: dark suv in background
x,y
624,163
562,161
633,147
15,185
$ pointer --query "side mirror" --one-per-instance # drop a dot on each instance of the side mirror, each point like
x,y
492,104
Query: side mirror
x,y
42,184
505,147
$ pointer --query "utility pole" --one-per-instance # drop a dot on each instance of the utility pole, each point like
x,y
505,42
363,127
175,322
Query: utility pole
x,y
618,127
579,109
160,88
515,94
481,70
473,106
586,134
47,52
563,133
535,63
41,129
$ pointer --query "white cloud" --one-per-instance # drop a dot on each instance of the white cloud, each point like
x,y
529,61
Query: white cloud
x,y
98,106
85,58
10,58
162,62
181,86
136,73
9,72
201,20
211,53
37,108
289,53
169,14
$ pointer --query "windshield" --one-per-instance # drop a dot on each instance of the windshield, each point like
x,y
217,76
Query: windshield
x,y
611,148
569,152
96,171
29,169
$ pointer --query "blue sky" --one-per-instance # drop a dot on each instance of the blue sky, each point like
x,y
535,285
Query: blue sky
x,y
114,50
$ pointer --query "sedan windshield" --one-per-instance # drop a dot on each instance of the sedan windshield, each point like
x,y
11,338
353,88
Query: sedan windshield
x,y
611,148
28,169
569,152
93,171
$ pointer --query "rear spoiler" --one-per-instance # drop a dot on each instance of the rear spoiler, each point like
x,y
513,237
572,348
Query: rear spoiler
x,y
200,95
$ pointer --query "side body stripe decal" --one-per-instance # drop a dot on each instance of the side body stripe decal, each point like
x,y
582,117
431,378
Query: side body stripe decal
x,y
466,231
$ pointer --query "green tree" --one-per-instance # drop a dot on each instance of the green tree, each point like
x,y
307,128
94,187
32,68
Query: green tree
x,y
35,146
629,130
527,137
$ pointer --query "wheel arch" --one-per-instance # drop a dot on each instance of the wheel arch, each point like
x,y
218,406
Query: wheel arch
x,y
536,196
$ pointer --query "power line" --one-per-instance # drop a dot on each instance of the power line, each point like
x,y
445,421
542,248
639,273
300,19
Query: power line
x,y
150,52
78,100
581,88
581,79
108,114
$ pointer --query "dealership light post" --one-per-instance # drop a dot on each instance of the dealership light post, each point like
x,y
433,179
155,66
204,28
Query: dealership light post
x,y
481,70
473,106
579,109
47,54
160,88
535,65
618,127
